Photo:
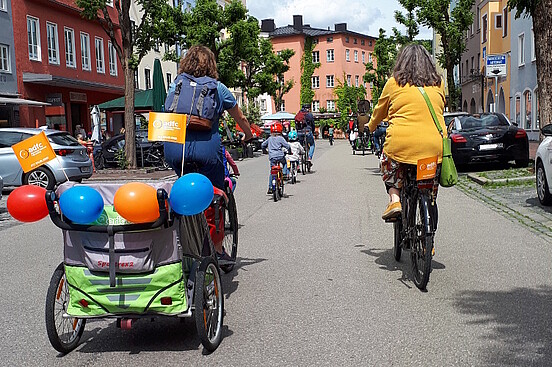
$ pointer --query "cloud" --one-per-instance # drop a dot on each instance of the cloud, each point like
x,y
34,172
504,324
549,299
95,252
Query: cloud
x,y
359,15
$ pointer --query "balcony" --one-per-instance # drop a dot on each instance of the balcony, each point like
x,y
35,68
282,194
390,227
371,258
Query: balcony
x,y
473,76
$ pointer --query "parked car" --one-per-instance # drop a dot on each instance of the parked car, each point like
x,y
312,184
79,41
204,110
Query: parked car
x,y
543,167
488,137
449,116
148,153
1,186
72,157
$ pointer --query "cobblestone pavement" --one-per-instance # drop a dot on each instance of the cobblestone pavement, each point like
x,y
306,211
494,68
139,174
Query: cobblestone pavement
x,y
518,203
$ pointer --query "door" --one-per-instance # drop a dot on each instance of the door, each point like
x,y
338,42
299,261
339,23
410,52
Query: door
x,y
76,117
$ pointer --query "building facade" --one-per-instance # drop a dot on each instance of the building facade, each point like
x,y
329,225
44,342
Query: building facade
x,y
342,55
63,60
8,72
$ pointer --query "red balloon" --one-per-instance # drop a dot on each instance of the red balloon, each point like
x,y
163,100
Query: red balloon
x,y
28,203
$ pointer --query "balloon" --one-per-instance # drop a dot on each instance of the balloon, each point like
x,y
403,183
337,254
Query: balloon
x,y
28,203
137,202
191,194
81,204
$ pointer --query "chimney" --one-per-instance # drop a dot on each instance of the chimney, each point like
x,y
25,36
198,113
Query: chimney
x,y
340,27
298,23
267,25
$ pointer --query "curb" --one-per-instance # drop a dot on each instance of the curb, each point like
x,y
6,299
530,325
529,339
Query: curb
x,y
485,181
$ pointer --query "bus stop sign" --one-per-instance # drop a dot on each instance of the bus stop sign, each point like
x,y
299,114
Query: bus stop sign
x,y
496,65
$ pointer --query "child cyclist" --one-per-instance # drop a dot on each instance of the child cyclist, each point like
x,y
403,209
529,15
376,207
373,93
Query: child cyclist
x,y
276,155
296,148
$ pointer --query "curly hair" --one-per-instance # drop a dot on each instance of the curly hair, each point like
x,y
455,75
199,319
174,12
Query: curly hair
x,y
415,66
199,61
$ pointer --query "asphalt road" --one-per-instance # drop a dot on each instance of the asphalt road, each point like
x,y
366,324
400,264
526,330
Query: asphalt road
x,y
317,285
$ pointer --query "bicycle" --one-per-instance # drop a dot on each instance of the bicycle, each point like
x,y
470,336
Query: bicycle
x,y
415,229
305,163
277,182
156,158
293,171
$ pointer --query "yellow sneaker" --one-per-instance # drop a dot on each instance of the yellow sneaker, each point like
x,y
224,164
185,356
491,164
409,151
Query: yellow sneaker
x,y
393,210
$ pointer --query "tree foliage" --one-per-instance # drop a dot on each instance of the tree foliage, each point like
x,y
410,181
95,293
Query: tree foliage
x,y
347,99
307,70
408,20
380,68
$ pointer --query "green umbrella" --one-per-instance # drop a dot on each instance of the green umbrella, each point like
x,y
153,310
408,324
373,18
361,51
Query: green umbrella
x,y
159,91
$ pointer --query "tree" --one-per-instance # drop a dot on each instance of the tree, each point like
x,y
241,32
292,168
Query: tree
x,y
385,53
347,99
408,20
131,44
452,27
541,13
307,69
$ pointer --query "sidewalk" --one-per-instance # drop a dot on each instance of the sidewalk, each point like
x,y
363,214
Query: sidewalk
x,y
142,174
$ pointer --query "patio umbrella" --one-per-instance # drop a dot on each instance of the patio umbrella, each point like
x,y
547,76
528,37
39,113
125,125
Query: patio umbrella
x,y
159,91
95,117
282,115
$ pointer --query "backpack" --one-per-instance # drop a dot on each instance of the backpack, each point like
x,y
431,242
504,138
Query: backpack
x,y
195,97
300,120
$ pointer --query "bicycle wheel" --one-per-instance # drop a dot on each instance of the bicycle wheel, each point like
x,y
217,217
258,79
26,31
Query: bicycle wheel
x,y
275,195
209,304
230,241
64,333
281,185
304,164
397,239
422,245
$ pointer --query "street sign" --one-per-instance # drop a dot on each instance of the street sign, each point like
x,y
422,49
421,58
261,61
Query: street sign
x,y
496,65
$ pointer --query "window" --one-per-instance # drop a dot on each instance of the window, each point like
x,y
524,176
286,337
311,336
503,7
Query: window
x,y
355,41
69,36
370,43
330,55
533,57
347,58
329,81
315,82
167,50
329,39
147,77
505,22
4,58
53,47
283,106
528,116
33,35
156,46
315,106
362,42
316,56
136,80
478,61
132,30
347,39
363,57
369,57
356,80
484,28
99,55
356,56
112,59
4,5
349,80
85,51
498,21
330,105
521,49
518,110
169,80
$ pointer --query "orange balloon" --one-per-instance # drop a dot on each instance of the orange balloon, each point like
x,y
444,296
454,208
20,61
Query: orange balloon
x,y
137,202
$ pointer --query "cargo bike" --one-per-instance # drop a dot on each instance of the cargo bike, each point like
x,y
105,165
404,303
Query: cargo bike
x,y
118,270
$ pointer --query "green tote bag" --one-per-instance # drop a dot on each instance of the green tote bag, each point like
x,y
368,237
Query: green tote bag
x,y
449,175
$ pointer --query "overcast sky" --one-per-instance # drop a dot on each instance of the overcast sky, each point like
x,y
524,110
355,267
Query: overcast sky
x,y
361,16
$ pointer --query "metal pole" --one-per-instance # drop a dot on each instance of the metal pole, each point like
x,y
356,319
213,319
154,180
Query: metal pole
x,y
496,94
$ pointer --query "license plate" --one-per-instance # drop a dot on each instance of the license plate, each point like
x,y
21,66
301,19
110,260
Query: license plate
x,y
85,169
490,146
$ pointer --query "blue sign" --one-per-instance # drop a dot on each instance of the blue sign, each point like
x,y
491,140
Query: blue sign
x,y
496,60
496,65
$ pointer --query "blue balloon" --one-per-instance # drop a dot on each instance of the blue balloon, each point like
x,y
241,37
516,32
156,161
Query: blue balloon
x,y
81,204
191,194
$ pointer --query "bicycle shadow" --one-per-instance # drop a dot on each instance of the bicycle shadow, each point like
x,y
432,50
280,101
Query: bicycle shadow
x,y
229,284
534,202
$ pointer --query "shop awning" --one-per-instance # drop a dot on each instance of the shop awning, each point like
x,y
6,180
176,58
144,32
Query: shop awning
x,y
143,99
21,101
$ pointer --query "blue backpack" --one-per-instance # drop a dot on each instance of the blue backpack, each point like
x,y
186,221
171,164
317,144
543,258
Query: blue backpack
x,y
195,97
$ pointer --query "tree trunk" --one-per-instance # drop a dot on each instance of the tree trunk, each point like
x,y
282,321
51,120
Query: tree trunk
x,y
542,18
451,103
130,125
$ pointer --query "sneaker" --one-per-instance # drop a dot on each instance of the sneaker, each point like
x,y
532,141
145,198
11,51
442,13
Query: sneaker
x,y
224,256
269,192
393,210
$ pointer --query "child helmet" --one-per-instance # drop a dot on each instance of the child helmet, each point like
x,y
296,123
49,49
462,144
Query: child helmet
x,y
292,135
276,128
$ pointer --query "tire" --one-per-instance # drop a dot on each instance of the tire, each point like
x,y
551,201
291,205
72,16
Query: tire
x,y
40,177
309,166
209,304
281,187
230,232
353,151
543,190
397,239
422,244
274,189
304,165
57,299
99,162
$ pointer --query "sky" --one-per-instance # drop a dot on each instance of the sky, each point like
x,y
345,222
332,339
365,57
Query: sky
x,y
361,16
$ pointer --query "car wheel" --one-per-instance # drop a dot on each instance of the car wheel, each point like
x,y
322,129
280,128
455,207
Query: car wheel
x,y
543,192
40,177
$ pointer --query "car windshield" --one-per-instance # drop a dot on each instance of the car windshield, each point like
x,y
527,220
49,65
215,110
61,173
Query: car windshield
x,y
64,139
478,122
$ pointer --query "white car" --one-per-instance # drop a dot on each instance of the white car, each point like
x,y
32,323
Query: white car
x,y
543,167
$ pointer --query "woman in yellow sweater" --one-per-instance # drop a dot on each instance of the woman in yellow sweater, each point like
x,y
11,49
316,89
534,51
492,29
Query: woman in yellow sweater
x,y
411,134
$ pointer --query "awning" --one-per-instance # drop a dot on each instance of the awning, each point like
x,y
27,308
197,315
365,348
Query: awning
x,y
21,101
143,99
60,81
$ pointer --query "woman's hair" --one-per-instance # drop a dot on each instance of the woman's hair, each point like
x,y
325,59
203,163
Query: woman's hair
x,y
199,61
415,66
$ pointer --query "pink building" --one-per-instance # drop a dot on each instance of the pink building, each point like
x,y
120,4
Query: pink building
x,y
342,55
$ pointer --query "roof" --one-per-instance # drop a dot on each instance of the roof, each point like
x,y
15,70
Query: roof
x,y
289,30
143,99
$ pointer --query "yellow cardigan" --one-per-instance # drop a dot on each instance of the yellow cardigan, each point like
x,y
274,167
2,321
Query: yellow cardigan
x,y
411,134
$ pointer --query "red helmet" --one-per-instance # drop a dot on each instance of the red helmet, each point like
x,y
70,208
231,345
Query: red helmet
x,y
276,128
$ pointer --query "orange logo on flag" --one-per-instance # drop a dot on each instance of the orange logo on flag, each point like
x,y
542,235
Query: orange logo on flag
x,y
427,168
34,152
167,127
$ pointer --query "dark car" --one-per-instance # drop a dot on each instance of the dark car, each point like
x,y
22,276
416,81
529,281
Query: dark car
x,y
148,153
487,137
